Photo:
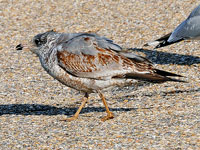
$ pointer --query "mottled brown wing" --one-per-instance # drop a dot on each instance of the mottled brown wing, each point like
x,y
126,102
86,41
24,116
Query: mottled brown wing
x,y
106,64
84,57
102,65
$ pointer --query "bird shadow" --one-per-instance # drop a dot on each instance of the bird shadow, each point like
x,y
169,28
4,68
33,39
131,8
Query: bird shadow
x,y
163,93
39,109
163,58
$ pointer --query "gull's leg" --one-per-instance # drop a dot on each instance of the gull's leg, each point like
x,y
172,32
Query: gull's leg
x,y
109,113
85,98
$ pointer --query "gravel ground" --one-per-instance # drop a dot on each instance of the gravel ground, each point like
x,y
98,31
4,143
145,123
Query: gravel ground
x,y
152,116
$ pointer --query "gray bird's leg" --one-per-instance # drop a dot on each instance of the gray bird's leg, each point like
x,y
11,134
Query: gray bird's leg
x,y
84,100
109,113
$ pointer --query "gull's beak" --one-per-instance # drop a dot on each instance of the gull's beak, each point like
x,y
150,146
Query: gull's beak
x,y
24,46
19,47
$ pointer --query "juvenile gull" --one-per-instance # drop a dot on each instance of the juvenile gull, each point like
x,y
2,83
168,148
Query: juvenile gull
x,y
90,63
189,29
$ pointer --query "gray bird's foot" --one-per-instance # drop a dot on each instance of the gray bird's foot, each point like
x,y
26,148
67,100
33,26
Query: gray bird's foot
x,y
109,116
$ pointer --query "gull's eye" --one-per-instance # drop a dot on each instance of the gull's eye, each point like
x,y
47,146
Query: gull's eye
x,y
37,42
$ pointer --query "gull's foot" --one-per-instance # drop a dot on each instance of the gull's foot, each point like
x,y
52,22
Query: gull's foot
x,y
109,116
69,119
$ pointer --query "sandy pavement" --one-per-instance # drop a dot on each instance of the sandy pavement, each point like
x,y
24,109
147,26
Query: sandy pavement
x,y
154,116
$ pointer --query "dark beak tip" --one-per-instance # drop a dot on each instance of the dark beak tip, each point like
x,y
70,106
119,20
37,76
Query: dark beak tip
x,y
19,47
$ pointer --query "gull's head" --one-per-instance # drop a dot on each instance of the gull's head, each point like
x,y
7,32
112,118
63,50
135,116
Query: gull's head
x,y
42,38
39,41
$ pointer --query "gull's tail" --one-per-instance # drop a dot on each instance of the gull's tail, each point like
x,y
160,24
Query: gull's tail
x,y
161,42
158,76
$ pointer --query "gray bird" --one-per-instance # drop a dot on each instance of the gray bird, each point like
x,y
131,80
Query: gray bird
x,y
189,29
90,63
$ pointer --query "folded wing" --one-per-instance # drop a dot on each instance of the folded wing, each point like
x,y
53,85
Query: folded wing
x,y
90,56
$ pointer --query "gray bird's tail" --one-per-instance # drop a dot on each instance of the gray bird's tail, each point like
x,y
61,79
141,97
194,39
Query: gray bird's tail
x,y
161,42
159,76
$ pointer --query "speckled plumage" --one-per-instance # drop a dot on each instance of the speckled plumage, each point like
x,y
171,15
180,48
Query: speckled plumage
x,y
90,63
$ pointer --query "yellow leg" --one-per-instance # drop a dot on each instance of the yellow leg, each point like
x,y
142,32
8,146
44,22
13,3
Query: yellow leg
x,y
109,113
85,98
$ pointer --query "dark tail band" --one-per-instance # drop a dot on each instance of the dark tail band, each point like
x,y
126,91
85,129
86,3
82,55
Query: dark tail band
x,y
161,42
165,43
